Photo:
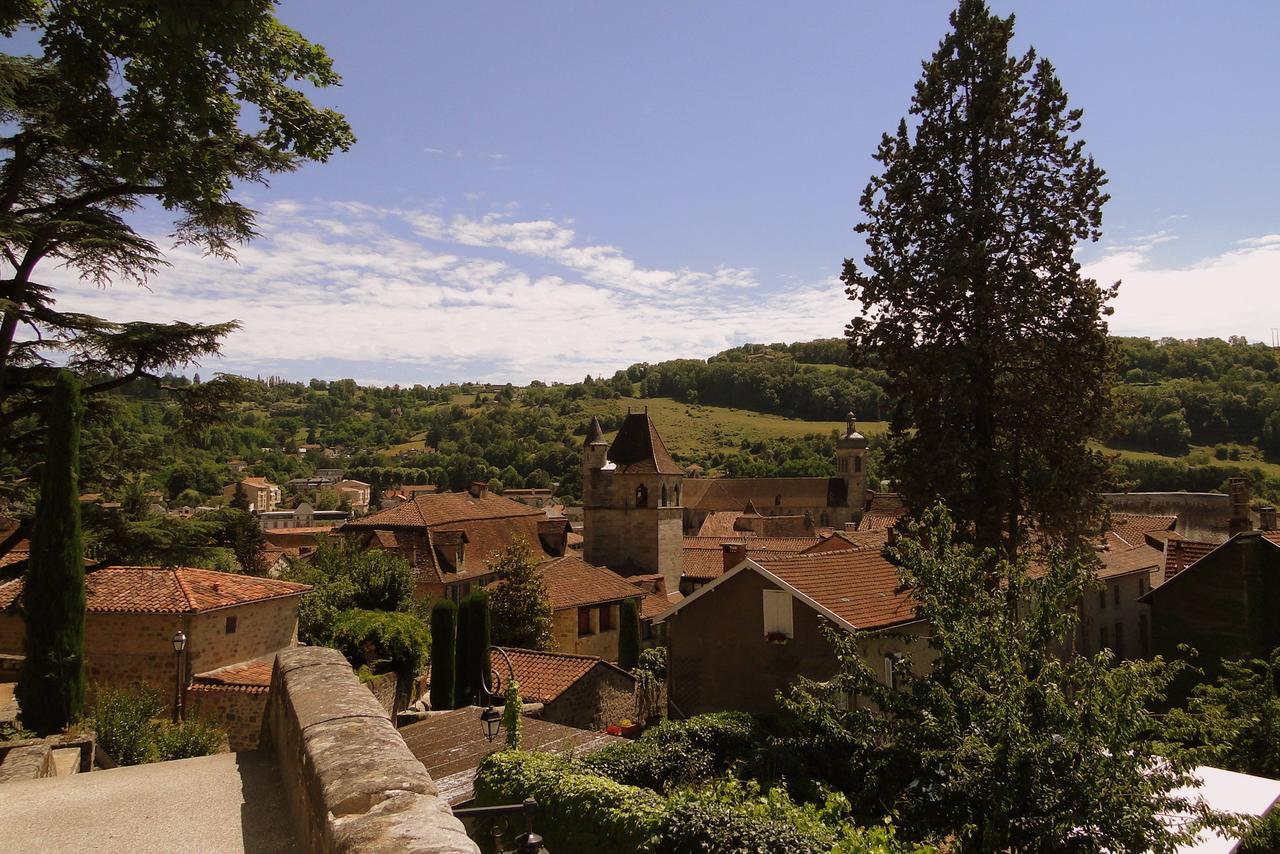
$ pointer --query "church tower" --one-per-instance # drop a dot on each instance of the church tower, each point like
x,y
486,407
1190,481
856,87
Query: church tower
x,y
633,518
850,450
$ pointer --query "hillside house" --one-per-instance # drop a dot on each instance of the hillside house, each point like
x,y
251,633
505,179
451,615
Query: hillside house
x,y
262,495
734,642
448,538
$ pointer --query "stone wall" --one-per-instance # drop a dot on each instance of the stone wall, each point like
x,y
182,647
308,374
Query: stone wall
x,y
351,782
238,709
383,688
261,628
603,644
605,695
1203,516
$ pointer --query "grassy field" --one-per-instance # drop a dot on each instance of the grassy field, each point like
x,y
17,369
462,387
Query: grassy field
x,y
1201,455
691,428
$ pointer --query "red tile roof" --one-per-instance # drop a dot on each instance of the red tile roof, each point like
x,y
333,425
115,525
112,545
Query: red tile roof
x,y
433,509
572,582
1119,558
1180,554
703,557
838,540
652,604
638,449
858,586
544,676
246,674
1133,527
168,590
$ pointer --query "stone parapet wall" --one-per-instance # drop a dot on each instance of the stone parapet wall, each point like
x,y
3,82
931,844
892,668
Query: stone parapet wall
x,y
238,709
351,782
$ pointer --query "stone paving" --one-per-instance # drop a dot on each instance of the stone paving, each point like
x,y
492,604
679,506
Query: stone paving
x,y
229,803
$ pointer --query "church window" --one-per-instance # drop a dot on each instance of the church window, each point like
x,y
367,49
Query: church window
x,y
664,495
857,464
677,495
642,496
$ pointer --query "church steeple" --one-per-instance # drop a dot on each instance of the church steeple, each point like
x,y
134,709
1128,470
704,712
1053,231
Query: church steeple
x,y
850,449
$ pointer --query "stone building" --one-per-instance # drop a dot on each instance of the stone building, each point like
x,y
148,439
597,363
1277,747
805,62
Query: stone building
x,y
585,603
580,691
448,538
234,626
825,501
1112,617
631,497
733,643
262,495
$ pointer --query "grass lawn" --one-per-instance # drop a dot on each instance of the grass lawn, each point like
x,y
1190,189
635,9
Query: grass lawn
x,y
1201,455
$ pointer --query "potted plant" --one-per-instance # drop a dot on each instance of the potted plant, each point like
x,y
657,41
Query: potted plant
x,y
629,728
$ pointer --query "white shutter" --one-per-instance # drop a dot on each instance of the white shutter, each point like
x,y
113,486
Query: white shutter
x,y
777,613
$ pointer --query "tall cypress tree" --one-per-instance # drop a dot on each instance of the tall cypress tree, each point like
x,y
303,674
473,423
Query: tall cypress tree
x,y
444,616
478,628
51,687
628,635
463,694
999,371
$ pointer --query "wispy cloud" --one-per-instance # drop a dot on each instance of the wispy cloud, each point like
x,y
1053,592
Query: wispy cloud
x,y
1234,292
410,296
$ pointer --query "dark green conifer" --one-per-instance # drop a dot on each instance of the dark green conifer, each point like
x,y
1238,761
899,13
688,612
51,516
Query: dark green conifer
x,y
444,618
51,687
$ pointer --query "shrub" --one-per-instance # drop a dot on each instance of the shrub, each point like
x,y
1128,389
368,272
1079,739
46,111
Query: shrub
x,y
578,813
187,739
124,723
654,661
680,752
371,636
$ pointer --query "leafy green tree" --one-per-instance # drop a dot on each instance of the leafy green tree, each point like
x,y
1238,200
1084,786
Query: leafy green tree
x,y
993,344
518,601
444,617
128,104
993,740
51,686
239,499
242,533
628,635
1234,723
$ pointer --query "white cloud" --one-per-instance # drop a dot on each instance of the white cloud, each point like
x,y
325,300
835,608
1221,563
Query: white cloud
x,y
351,290
1235,292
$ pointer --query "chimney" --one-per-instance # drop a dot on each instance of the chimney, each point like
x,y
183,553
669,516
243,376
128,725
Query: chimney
x,y
478,489
1238,488
892,534
1267,518
734,554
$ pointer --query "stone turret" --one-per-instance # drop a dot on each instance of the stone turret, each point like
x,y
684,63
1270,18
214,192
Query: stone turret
x,y
595,448
850,450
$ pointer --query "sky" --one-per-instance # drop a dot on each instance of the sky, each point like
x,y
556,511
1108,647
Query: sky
x,y
554,189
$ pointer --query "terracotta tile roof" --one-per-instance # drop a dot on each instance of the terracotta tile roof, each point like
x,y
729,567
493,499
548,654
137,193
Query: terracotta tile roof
x,y
544,676
837,540
1272,537
1119,558
249,674
574,540
886,502
168,590
703,557
652,605
638,449
724,493
445,508
858,586
572,582
718,523
1132,527
21,551
1180,554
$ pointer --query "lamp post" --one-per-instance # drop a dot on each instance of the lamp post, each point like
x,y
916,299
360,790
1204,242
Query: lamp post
x,y
490,717
179,644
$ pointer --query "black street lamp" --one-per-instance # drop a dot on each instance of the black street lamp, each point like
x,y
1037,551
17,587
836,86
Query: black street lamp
x,y
527,842
489,716
179,644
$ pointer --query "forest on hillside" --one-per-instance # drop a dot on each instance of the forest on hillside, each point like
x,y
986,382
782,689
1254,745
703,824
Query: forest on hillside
x,y
1189,415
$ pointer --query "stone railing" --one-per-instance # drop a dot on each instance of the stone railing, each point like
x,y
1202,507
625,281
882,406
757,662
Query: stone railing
x,y
351,783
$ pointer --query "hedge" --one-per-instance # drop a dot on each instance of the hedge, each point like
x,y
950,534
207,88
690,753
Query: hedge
x,y
679,752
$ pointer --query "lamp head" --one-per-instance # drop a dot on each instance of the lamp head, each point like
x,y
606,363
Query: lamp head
x,y
179,641
492,720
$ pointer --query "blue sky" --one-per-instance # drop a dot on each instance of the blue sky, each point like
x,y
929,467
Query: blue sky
x,y
555,189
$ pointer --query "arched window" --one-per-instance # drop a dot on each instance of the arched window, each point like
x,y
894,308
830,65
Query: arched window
x,y
857,464
642,496
664,496
677,495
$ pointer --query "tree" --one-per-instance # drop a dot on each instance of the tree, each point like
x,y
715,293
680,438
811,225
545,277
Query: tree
x,y
473,644
245,537
994,346
628,635
518,601
462,650
444,616
1234,723
239,499
51,686
127,104
998,742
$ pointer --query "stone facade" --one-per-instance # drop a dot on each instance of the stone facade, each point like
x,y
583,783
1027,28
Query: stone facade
x,y
235,708
1113,618
633,523
601,643
720,659
604,696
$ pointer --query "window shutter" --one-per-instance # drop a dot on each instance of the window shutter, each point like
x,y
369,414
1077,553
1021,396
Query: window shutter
x,y
777,613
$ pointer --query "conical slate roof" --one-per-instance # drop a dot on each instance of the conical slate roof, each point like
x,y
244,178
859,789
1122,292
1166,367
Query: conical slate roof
x,y
595,435
638,449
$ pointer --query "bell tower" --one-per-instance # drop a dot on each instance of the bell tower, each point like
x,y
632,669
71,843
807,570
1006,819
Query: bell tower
x,y
851,448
